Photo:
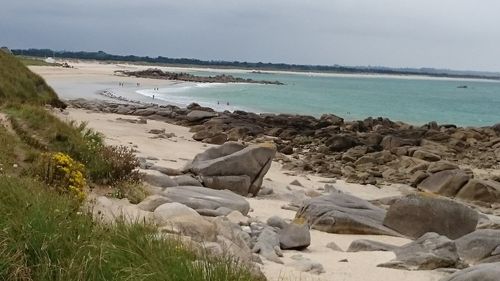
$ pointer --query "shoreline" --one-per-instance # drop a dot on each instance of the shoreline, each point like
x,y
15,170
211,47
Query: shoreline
x,y
374,159
101,76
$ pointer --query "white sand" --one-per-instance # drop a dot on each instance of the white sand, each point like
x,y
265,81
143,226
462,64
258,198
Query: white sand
x,y
176,151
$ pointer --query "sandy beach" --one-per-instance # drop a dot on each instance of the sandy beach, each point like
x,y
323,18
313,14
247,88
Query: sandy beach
x,y
87,79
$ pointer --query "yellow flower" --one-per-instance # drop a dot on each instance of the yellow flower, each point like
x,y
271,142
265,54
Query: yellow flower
x,y
61,171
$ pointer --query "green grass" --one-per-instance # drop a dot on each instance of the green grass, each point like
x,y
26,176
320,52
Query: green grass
x,y
19,85
44,236
33,61
48,236
43,131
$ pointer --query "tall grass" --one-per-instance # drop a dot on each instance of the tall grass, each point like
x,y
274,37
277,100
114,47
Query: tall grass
x,y
45,236
19,84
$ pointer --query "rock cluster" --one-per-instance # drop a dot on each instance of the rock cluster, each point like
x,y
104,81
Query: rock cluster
x,y
371,151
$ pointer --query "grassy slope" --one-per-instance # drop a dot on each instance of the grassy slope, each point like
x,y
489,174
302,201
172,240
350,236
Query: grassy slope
x,y
34,61
18,84
44,235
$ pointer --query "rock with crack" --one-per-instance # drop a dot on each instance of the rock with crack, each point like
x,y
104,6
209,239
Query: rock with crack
x,y
428,252
268,245
197,197
481,272
364,245
480,246
343,213
417,214
234,166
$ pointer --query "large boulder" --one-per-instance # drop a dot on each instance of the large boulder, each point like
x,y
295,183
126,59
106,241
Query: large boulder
x,y
233,161
236,184
341,142
180,219
417,214
342,213
429,252
481,272
197,115
480,246
295,236
480,190
202,198
447,182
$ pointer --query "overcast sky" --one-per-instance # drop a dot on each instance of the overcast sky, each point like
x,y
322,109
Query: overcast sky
x,y
457,34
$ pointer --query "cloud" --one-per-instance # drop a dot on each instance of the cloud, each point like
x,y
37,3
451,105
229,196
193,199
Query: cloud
x,y
459,34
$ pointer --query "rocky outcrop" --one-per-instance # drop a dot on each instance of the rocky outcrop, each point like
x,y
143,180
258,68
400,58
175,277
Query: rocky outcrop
x,y
428,252
342,213
234,167
154,73
415,215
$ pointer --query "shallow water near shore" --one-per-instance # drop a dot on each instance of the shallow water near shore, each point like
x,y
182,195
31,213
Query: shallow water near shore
x,y
412,100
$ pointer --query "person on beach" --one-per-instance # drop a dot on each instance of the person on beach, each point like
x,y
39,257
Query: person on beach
x,y
153,96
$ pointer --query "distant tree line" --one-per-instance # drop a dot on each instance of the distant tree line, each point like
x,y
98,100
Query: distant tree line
x,y
103,56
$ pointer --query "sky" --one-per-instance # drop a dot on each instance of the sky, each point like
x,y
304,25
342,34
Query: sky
x,y
453,34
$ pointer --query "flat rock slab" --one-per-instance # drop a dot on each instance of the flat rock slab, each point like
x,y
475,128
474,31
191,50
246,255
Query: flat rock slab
x,y
364,245
342,213
482,272
417,214
205,198
429,252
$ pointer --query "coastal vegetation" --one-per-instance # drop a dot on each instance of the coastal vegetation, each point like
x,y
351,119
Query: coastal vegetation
x,y
47,168
103,56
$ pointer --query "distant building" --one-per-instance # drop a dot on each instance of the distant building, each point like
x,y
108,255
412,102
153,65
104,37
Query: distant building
x,y
50,60
5,49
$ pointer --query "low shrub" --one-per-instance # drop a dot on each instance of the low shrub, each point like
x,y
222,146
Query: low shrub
x,y
135,192
60,171
113,165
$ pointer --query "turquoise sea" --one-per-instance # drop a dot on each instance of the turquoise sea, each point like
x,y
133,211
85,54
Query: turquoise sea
x,y
414,100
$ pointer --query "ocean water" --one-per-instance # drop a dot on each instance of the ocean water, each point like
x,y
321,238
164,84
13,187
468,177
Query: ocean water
x,y
413,100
